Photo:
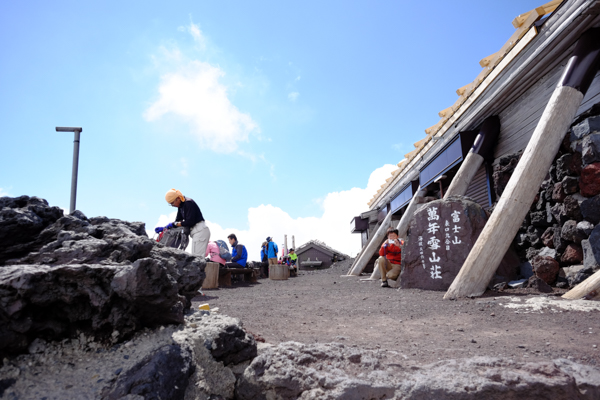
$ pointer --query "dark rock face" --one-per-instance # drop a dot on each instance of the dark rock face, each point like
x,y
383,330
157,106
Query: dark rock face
x,y
23,218
590,209
441,234
591,250
568,165
590,180
99,276
558,194
546,268
572,233
503,171
162,375
586,127
570,185
590,149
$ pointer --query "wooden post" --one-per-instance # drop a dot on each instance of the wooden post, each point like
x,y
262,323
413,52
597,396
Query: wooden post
x,y
482,148
373,245
588,289
403,223
464,176
501,228
410,211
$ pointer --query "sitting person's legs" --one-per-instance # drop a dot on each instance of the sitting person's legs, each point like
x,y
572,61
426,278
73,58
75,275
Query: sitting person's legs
x,y
233,265
384,266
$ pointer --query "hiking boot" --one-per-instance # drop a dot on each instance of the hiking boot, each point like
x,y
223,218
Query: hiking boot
x,y
384,284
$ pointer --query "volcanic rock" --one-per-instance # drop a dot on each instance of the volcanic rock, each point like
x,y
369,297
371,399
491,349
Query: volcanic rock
x,y
503,171
590,209
590,149
538,284
573,254
558,194
570,184
101,277
568,165
175,362
591,250
546,268
590,180
571,233
548,237
586,127
331,371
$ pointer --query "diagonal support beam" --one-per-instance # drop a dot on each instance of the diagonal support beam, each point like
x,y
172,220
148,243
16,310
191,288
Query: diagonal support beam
x,y
501,228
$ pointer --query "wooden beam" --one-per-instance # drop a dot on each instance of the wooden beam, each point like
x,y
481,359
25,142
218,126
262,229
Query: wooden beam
x,y
371,247
588,289
500,230
547,8
484,62
461,181
446,113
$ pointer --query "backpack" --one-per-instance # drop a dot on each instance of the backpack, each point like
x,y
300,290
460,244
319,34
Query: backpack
x,y
223,250
177,238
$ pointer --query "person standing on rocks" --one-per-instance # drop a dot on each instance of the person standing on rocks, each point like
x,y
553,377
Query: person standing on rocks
x,y
272,251
189,216
391,257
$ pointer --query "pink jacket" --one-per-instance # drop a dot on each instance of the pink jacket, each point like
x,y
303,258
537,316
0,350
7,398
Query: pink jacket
x,y
212,251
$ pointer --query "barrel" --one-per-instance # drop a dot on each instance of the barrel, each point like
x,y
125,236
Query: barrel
x,y
279,272
211,281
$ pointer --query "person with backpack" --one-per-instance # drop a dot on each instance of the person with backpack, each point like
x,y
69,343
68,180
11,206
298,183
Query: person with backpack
x,y
239,254
214,254
189,216
272,251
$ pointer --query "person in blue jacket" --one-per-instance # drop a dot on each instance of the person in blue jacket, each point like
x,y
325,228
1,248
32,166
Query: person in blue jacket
x,y
239,254
272,251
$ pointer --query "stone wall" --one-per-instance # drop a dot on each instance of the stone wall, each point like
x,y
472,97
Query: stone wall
x,y
559,240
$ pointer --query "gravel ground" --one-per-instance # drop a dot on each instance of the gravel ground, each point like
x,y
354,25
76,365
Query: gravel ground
x,y
323,306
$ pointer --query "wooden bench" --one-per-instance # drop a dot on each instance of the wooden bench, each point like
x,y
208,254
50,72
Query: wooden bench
x,y
249,274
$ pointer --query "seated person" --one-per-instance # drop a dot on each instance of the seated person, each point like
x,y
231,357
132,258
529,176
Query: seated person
x,y
391,257
293,258
239,255
214,254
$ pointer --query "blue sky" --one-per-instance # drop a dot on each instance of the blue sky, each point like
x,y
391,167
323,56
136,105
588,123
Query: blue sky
x,y
272,115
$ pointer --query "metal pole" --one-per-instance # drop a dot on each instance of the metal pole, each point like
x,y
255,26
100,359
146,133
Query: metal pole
x,y
77,132
75,169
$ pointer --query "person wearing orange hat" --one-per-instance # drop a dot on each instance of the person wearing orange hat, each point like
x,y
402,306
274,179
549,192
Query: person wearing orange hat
x,y
189,216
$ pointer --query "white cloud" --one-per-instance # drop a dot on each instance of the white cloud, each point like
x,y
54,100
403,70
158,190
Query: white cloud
x,y
193,92
3,192
333,227
196,33
293,96
298,78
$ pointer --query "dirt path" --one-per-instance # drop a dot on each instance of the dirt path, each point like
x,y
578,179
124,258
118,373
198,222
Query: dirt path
x,y
322,306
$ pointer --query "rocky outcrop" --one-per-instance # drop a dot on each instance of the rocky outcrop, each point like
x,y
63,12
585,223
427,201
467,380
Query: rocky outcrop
x,y
567,207
333,371
175,362
63,275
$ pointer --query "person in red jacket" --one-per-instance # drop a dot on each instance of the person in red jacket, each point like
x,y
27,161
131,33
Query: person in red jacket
x,y
391,257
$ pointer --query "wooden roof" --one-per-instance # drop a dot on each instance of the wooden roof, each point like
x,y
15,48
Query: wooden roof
x,y
492,65
321,246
